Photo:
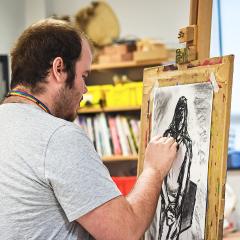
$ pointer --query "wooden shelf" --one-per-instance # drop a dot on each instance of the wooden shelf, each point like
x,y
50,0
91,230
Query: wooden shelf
x,y
89,110
119,158
109,109
126,64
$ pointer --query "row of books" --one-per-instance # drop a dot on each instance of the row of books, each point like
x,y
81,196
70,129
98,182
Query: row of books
x,y
112,135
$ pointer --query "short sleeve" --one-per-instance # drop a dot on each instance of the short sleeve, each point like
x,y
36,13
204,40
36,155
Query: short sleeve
x,y
75,172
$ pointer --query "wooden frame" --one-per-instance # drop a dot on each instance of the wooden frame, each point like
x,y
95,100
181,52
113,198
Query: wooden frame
x,y
198,34
204,21
199,72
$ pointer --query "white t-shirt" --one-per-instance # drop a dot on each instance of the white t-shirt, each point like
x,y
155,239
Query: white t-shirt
x,y
50,175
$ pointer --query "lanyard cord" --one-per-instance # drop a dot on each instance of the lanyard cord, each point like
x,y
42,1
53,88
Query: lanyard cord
x,y
29,97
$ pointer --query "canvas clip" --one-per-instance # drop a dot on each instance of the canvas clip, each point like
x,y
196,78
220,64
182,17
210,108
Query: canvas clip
x,y
214,82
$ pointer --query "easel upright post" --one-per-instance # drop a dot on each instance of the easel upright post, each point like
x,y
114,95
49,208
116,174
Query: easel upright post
x,y
200,20
204,22
193,12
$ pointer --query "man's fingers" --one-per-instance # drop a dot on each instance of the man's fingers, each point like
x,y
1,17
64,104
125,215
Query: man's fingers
x,y
175,145
170,140
163,139
156,138
159,138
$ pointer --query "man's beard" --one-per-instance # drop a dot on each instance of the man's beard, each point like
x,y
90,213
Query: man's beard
x,y
64,103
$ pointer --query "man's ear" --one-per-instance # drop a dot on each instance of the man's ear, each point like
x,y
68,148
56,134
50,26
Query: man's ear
x,y
58,70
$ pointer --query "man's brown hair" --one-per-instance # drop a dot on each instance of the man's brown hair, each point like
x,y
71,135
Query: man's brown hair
x,y
36,49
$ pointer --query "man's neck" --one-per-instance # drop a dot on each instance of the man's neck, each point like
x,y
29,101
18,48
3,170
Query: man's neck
x,y
19,99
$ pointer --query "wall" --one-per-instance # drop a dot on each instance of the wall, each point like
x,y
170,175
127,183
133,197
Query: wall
x,y
34,11
15,16
233,178
230,43
215,46
12,21
231,40
158,19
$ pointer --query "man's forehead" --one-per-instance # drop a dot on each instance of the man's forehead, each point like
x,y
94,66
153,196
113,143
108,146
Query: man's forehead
x,y
86,51
87,47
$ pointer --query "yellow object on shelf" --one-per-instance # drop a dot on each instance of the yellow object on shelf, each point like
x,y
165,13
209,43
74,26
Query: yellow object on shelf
x,y
106,90
131,88
120,95
124,95
116,97
139,92
93,98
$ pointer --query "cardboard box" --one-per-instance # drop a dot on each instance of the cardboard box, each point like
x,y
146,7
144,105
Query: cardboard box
x,y
160,54
119,49
115,58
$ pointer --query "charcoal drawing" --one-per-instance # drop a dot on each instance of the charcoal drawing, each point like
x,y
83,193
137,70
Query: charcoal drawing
x,y
177,181
183,112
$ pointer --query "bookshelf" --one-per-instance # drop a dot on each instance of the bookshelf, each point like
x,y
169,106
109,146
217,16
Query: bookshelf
x,y
109,109
120,158
101,74
126,64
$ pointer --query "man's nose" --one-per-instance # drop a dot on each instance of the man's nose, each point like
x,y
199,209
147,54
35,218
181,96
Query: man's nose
x,y
85,90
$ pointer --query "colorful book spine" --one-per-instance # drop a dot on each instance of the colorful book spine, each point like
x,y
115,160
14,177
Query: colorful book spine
x,y
115,137
123,140
128,136
97,136
107,151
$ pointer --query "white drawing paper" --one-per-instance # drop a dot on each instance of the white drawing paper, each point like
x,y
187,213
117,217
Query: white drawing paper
x,y
183,112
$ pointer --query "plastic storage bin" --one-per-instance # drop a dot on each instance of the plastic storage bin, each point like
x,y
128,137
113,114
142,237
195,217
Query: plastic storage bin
x,y
124,95
93,98
125,184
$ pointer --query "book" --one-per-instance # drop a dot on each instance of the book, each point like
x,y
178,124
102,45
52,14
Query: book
x,y
123,140
136,130
90,128
128,136
97,136
105,135
115,137
135,141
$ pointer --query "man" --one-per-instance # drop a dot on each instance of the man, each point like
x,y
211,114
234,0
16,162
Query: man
x,y
53,184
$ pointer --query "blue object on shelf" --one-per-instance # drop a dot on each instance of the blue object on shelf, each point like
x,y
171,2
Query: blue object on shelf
x,y
233,160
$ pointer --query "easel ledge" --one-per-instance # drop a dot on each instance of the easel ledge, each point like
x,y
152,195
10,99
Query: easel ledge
x,y
199,71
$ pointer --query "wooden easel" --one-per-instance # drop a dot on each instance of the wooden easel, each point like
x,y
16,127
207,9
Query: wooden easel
x,y
197,35
198,72
197,38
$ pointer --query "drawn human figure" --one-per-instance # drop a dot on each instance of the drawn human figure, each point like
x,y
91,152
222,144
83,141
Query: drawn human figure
x,y
174,218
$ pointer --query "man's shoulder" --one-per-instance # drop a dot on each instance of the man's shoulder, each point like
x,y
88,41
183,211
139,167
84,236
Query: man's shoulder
x,y
34,121
70,131
62,126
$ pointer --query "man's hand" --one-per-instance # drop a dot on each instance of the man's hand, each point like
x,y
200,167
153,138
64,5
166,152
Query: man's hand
x,y
160,154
